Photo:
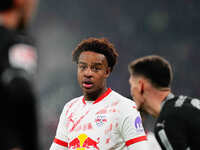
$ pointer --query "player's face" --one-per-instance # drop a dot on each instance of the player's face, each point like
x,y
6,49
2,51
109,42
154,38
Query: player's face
x,y
92,72
135,90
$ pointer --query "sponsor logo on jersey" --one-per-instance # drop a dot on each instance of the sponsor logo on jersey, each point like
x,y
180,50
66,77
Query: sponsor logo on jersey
x,y
138,124
83,142
100,120
162,124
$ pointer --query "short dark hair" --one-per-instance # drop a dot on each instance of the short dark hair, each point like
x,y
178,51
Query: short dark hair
x,y
98,45
153,67
6,4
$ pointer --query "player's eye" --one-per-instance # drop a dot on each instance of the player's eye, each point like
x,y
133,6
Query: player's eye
x,y
82,67
96,68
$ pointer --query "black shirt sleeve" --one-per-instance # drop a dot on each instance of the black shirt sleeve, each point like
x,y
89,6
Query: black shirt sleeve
x,y
171,129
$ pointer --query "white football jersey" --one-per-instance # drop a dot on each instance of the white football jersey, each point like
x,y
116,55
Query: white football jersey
x,y
111,122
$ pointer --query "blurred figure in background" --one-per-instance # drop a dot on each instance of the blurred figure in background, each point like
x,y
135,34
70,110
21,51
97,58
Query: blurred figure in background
x,y
18,62
178,121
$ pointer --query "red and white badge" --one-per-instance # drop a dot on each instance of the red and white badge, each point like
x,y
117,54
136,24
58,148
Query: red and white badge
x,y
23,56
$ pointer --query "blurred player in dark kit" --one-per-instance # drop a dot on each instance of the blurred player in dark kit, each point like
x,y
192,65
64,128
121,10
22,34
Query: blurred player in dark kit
x,y
178,122
18,62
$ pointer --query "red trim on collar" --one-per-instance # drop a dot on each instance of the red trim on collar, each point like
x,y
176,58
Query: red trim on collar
x,y
101,97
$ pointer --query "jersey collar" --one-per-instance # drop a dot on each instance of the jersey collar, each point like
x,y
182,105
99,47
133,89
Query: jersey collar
x,y
170,96
107,92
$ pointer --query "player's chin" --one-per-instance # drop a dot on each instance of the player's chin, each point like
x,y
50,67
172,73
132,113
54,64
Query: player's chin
x,y
88,90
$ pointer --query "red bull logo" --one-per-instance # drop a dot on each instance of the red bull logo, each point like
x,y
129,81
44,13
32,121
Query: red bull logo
x,y
83,142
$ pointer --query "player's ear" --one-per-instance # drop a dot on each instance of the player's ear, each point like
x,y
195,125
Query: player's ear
x,y
141,86
107,72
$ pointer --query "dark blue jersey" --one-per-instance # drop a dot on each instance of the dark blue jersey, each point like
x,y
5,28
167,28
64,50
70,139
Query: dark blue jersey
x,y
178,125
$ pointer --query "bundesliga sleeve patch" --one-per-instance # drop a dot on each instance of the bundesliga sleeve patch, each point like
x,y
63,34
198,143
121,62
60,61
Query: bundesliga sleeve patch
x,y
138,124
23,56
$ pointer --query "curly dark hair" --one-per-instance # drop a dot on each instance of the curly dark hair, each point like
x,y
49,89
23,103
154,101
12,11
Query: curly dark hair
x,y
153,67
98,45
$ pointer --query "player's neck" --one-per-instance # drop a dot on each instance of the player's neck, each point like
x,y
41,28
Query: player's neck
x,y
154,98
93,96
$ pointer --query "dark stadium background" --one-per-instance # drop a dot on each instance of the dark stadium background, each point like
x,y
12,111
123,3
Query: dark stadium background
x,y
170,28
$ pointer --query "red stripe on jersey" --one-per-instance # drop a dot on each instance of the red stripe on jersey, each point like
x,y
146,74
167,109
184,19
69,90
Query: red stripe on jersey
x,y
59,142
71,106
101,97
135,140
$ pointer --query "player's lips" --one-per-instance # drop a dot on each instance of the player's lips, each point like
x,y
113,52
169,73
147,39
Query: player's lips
x,y
87,84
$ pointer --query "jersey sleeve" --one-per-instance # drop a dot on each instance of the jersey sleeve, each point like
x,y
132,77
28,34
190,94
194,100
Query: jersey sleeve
x,y
60,140
172,133
131,127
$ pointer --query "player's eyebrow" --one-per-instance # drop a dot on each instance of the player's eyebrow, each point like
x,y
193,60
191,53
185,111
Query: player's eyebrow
x,y
80,62
97,64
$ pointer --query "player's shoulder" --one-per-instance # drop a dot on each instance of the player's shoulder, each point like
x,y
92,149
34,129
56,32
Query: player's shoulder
x,y
181,105
12,37
22,53
73,101
183,101
124,102
126,107
7,39
5,33
187,102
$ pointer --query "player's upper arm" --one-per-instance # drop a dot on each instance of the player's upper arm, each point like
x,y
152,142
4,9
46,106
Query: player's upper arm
x,y
55,146
60,140
174,131
143,145
131,126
